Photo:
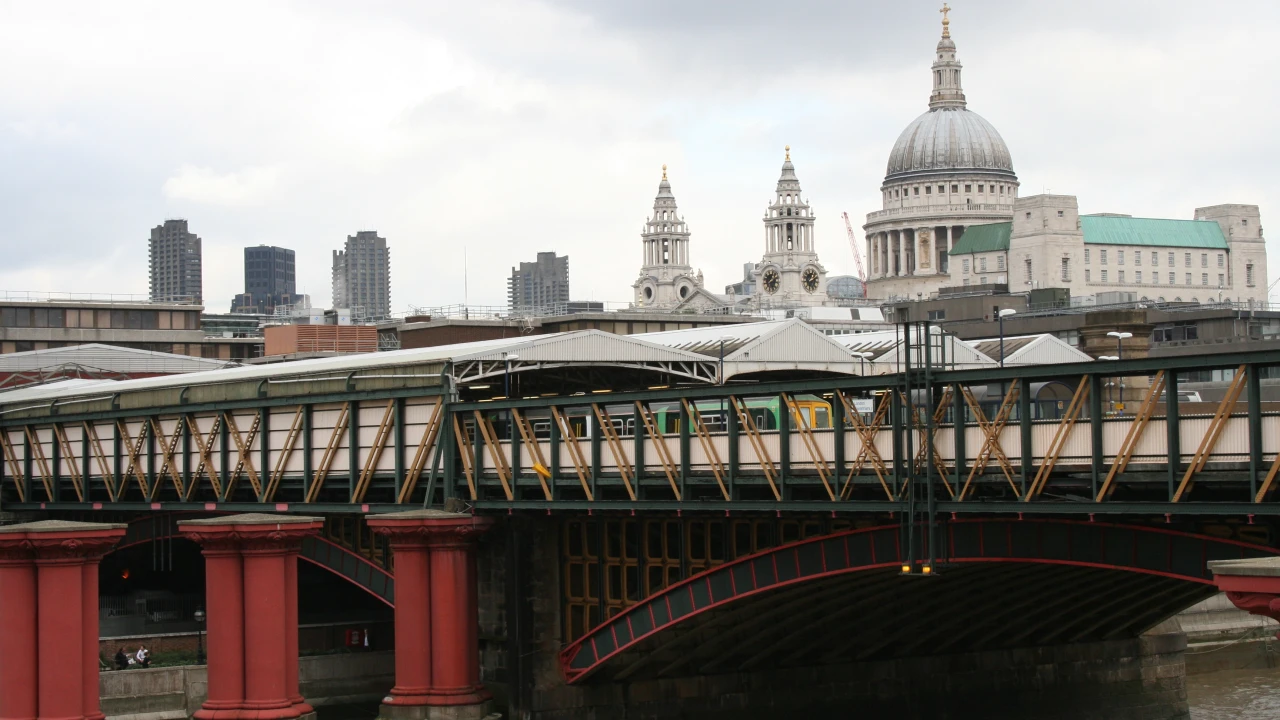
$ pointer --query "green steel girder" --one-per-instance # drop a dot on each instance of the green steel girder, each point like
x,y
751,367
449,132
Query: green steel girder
x,y
250,404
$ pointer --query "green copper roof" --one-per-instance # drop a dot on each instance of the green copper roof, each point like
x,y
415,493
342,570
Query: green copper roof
x,y
983,238
1106,230
1109,230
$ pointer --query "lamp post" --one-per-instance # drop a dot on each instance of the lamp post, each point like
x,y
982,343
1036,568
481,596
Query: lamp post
x,y
862,360
506,392
199,617
1003,313
1110,401
1120,338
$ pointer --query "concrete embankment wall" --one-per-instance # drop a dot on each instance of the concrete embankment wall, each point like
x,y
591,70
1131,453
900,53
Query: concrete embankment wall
x,y
174,693
1221,636
1140,679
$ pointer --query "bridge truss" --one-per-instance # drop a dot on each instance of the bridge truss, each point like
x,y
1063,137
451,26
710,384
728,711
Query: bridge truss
x,y
922,441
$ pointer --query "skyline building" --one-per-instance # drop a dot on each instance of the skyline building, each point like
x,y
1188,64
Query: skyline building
x,y
539,287
362,276
270,280
174,259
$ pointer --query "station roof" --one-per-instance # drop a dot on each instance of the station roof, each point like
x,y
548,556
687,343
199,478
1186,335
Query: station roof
x,y
780,346
106,358
886,356
1042,349
559,357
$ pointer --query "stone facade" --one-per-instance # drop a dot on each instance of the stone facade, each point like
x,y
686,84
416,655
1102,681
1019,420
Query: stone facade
x,y
950,171
666,276
790,273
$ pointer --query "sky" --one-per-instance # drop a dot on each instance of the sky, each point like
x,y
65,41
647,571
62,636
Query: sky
x,y
474,135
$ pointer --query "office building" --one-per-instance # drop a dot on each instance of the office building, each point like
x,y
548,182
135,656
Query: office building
x,y
362,277
269,280
539,287
174,254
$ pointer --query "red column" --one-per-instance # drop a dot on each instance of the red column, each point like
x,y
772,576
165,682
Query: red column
x,y
251,584
49,618
89,638
413,624
437,645
291,641
224,612
59,635
17,630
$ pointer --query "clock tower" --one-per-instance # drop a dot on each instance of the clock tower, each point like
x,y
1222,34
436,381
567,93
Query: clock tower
x,y
666,278
789,274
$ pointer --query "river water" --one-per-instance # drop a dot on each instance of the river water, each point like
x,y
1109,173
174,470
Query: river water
x,y
1235,695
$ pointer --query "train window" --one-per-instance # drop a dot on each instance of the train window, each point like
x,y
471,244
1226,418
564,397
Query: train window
x,y
822,417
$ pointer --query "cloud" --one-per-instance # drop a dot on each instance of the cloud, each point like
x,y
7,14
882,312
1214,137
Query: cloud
x,y
250,186
508,127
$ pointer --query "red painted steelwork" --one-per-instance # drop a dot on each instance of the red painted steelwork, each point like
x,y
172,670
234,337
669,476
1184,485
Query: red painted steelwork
x,y
588,653
256,615
437,648
49,607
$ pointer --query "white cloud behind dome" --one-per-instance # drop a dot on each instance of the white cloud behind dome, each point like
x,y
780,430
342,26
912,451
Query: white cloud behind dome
x,y
507,127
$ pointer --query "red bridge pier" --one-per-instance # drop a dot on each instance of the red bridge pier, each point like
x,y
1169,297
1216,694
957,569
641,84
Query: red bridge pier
x,y
437,644
251,571
49,659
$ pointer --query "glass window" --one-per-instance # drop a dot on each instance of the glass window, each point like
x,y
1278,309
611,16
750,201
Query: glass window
x,y
1120,276
40,317
1102,256
1204,260
1104,276
8,317
1220,259
1172,278
133,319
58,317
1137,276
1187,259
117,319
1086,256
1086,274
1119,257
1188,278
150,320
163,320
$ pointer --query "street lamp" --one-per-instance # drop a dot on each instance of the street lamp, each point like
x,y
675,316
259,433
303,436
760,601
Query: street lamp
x,y
506,376
1120,337
1110,401
862,359
199,618
724,339
1002,314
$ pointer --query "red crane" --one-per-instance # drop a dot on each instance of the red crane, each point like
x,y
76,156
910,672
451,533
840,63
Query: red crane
x,y
857,256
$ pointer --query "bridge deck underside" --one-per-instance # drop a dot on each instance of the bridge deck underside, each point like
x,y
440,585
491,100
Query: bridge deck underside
x,y
881,614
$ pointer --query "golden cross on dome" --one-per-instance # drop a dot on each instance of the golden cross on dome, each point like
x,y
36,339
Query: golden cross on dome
x,y
946,30
788,149
664,172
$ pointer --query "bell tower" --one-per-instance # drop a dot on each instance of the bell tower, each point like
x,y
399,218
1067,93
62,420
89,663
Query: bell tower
x,y
666,278
790,271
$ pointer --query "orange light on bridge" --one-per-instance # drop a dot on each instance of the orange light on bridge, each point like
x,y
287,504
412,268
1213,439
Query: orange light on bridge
x,y
124,574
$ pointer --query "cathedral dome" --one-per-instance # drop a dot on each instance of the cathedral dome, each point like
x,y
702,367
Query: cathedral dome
x,y
948,139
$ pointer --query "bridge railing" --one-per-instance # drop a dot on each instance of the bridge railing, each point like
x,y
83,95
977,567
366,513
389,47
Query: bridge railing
x,y
1060,438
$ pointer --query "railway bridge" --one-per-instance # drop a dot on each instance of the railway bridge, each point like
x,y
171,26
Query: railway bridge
x,y
586,522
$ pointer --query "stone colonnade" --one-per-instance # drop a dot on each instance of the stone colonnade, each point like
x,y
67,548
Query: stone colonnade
x,y
49,618
911,251
437,648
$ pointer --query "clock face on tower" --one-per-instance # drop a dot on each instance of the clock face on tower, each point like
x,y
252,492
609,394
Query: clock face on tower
x,y
771,281
810,280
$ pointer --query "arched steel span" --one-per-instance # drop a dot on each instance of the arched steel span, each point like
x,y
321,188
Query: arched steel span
x,y
842,598
318,551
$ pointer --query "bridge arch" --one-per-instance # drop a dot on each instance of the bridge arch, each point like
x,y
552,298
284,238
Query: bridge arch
x,y
842,598
319,551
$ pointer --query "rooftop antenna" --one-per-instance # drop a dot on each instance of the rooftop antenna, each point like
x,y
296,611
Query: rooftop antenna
x,y
465,300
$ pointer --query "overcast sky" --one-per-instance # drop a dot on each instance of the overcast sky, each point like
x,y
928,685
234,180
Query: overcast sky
x,y
508,127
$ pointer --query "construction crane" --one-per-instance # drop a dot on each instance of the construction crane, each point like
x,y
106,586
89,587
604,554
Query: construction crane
x,y
857,256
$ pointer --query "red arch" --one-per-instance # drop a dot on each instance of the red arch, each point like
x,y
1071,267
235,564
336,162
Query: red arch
x,y
1155,552
318,551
